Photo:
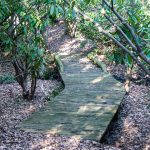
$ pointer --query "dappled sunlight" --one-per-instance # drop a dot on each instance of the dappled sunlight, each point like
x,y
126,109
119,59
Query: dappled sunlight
x,y
65,53
89,127
97,80
117,84
87,67
88,107
69,46
129,127
28,110
56,129
91,96
110,108
49,141
85,60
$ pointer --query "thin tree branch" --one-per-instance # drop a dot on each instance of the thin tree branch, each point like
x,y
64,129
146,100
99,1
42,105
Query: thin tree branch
x,y
121,31
112,4
141,54
125,24
127,51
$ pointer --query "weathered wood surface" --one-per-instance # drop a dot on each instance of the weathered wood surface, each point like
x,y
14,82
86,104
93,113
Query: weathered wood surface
x,y
85,107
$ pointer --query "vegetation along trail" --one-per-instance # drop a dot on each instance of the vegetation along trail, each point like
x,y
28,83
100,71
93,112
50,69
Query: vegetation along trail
x,y
86,105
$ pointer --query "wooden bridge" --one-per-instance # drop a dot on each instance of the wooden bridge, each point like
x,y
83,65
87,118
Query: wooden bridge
x,y
85,107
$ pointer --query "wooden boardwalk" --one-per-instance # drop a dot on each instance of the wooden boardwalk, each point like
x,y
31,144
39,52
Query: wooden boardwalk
x,y
85,107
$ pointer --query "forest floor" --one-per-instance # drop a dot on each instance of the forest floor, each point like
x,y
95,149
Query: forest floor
x,y
130,131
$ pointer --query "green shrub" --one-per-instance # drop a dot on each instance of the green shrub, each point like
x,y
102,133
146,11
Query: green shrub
x,y
7,79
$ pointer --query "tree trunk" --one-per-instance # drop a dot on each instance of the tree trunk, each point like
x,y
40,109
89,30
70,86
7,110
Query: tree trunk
x,y
71,28
21,78
33,87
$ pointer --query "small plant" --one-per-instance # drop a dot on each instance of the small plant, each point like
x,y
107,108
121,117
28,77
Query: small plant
x,y
82,45
7,79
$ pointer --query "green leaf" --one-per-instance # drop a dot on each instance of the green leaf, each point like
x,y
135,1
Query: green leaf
x,y
52,10
73,14
56,11
60,9
128,60
87,1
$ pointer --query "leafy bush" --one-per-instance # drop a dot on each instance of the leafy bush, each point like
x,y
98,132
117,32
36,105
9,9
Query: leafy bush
x,y
22,26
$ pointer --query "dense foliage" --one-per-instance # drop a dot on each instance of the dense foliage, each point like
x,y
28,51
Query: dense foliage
x,y
126,23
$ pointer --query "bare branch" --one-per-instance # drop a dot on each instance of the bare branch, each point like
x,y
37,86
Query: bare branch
x,y
128,51
121,31
112,4
123,21
141,54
